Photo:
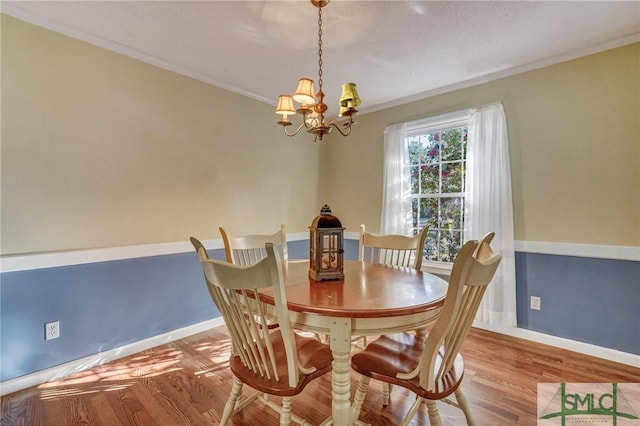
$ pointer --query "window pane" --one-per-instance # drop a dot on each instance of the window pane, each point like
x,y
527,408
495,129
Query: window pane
x,y
429,212
429,179
431,247
451,213
414,150
431,152
449,244
453,143
452,177
414,176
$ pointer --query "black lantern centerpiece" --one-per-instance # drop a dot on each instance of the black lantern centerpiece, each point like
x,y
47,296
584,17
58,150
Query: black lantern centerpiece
x,y
326,250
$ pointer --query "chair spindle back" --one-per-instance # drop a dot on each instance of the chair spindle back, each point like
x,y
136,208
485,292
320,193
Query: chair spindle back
x,y
473,269
236,291
249,249
392,249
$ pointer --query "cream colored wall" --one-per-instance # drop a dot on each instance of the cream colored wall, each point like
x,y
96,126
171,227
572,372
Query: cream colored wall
x,y
101,150
574,132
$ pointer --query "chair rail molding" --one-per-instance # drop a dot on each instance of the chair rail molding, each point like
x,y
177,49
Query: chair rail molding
x,y
580,250
29,261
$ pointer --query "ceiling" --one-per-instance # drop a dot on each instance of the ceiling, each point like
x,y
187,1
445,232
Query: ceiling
x,y
396,51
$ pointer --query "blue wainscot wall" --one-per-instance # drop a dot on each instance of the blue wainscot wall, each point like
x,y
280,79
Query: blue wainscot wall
x,y
590,300
105,306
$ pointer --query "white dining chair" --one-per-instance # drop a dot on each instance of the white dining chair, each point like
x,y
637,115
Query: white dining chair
x,y
392,249
433,368
248,249
278,361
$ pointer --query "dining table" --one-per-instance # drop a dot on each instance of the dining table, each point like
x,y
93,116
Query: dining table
x,y
372,299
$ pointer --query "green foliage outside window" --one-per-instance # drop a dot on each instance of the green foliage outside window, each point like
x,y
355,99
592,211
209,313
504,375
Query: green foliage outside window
x,y
437,170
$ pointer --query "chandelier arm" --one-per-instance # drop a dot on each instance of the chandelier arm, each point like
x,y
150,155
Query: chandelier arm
x,y
346,123
300,127
343,127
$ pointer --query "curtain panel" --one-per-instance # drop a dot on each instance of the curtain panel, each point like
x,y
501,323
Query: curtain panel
x,y
396,193
489,207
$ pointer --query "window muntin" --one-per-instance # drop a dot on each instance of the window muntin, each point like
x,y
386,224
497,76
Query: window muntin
x,y
437,173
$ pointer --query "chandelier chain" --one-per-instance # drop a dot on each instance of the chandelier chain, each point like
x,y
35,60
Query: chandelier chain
x,y
320,48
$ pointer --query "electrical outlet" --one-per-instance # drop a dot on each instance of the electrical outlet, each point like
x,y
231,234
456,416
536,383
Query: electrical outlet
x,y
52,330
536,303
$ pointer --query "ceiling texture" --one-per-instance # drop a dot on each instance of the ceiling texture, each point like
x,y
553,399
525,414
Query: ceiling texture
x,y
395,51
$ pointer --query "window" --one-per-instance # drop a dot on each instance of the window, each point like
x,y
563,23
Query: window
x,y
437,172
457,182
425,178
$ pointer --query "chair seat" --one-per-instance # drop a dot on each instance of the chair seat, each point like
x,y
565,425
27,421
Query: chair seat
x,y
391,354
311,352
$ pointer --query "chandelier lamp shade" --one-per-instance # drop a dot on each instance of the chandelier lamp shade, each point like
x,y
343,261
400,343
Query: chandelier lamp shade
x,y
311,105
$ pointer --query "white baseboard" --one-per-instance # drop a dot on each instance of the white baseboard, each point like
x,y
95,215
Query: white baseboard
x,y
571,345
63,370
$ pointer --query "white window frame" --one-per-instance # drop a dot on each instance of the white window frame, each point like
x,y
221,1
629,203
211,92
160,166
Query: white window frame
x,y
428,125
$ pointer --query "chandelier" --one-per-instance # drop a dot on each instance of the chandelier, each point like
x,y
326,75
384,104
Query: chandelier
x,y
311,106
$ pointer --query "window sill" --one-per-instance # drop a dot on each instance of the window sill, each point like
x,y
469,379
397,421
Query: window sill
x,y
438,268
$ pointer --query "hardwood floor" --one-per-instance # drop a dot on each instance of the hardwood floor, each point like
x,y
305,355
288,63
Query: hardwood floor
x,y
187,382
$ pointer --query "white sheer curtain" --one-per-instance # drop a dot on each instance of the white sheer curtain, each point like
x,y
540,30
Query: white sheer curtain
x,y
396,200
489,207
488,198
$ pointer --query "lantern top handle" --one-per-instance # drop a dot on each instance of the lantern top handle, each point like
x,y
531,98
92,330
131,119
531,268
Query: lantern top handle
x,y
326,219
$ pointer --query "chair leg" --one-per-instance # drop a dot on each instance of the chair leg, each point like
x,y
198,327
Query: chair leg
x,y
230,405
434,415
386,392
412,411
358,398
285,412
421,334
464,405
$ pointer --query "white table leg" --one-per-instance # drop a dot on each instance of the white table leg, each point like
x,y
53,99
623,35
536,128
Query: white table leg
x,y
340,378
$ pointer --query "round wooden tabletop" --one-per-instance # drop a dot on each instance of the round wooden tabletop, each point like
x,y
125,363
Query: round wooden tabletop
x,y
367,291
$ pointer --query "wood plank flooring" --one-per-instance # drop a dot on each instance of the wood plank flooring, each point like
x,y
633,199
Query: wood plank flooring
x,y
186,382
